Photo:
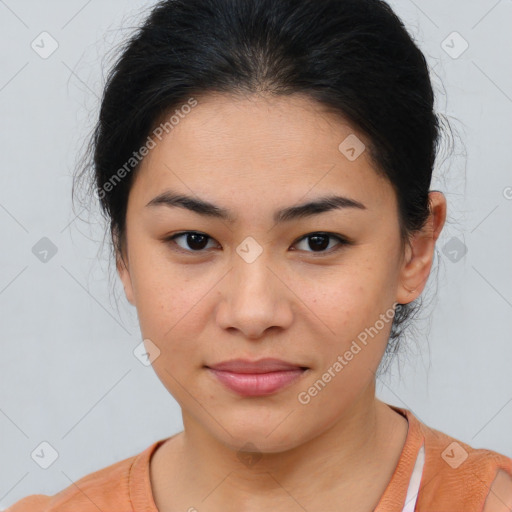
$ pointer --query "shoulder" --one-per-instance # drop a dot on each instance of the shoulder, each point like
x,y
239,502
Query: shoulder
x,y
458,474
105,489
499,498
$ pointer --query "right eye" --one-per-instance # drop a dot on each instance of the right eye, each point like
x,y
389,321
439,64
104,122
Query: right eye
x,y
195,240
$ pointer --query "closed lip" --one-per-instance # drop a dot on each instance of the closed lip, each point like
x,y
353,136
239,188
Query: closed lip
x,y
265,365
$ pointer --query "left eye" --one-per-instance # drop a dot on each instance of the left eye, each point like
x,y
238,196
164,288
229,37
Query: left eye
x,y
318,241
321,241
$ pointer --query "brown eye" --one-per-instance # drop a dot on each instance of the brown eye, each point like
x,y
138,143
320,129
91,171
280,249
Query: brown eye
x,y
195,241
319,242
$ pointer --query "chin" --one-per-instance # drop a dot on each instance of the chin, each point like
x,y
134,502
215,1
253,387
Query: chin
x,y
259,437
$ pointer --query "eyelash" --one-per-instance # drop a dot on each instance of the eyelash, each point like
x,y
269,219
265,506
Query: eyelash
x,y
343,242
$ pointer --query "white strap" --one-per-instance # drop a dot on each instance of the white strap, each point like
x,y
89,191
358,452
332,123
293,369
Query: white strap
x,y
414,483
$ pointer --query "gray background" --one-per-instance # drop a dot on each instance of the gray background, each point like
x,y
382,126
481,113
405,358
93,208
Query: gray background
x,y
68,375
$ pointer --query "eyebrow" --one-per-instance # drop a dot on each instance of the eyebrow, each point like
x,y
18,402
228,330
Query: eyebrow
x,y
320,205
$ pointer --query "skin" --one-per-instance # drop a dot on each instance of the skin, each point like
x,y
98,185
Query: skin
x,y
253,156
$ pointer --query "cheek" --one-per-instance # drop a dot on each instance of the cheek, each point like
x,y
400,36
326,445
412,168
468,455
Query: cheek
x,y
343,297
349,306
168,299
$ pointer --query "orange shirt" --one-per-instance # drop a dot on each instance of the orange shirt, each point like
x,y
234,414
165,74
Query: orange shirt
x,y
455,478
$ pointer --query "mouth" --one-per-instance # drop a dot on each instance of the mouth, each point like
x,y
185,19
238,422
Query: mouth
x,y
256,378
266,365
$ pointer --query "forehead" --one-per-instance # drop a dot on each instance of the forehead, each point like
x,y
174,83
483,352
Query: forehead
x,y
258,148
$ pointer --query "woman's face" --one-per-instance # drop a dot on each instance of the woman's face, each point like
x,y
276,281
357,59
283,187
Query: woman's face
x,y
255,283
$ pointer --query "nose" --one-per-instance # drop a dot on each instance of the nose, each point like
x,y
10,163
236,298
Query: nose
x,y
255,298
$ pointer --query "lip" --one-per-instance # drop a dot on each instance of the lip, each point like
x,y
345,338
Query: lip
x,y
265,365
256,378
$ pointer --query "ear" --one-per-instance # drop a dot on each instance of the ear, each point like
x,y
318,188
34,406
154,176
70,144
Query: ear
x,y
126,279
420,252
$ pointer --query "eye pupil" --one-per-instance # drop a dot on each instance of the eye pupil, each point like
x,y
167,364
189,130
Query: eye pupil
x,y
324,242
193,237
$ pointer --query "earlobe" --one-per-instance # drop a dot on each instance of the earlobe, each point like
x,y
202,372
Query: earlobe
x,y
420,252
124,275
416,269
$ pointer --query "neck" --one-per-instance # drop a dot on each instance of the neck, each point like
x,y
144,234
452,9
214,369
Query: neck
x,y
364,444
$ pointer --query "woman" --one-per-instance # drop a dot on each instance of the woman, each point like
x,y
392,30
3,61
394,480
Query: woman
x,y
265,167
